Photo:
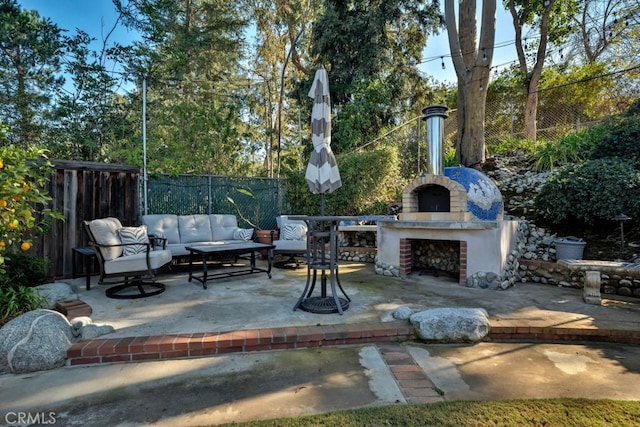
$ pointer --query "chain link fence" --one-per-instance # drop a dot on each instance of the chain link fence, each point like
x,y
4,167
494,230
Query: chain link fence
x,y
255,201
560,111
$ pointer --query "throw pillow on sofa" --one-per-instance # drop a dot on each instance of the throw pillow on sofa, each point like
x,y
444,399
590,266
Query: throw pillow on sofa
x,y
243,234
130,235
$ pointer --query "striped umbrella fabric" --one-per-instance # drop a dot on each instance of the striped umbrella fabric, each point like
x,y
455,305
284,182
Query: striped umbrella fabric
x,y
322,173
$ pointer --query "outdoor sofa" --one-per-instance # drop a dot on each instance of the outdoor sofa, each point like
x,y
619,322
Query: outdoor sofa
x,y
181,231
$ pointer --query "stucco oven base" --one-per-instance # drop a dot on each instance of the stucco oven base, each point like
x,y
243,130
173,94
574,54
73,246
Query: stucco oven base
x,y
484,245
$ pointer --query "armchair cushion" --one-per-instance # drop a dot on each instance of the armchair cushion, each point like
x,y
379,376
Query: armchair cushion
x,y
130,235
105,232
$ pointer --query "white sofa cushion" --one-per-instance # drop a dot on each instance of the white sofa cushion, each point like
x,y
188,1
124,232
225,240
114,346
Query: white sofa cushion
x,y
163,225
130,235
223,226
194,228
105,232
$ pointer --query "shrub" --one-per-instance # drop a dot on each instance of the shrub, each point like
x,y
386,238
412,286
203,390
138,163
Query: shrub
x,y
23,175
572,148
18,300
23,269
512,145
370,181
594,190
619,138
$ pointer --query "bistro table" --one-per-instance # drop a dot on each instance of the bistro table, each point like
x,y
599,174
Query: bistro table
x,y
322,256
223,252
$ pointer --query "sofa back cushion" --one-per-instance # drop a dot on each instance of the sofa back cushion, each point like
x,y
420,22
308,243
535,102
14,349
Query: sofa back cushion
x,y
194,228
105,232
223,226
163,225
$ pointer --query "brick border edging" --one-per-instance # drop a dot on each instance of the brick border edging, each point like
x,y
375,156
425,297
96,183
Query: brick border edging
x,y
551,334
134,349
165,347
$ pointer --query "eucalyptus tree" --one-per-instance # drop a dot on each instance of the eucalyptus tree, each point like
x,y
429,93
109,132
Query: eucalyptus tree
x,y
472,60
371,50
279,61
191,59
88,119
552,21
30,55
604,26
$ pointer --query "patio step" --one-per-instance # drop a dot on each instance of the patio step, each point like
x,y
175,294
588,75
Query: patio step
x,y
133,349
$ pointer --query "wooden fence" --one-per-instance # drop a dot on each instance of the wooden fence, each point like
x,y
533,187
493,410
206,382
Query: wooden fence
x,y
84,191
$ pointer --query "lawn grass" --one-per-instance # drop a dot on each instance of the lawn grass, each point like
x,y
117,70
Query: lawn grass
x,y
530,412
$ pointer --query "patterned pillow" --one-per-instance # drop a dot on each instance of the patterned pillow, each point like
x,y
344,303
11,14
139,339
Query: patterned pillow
x,y
243,234
294,231
133,235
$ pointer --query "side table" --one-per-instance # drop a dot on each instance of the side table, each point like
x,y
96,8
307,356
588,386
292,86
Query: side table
x,y
87,253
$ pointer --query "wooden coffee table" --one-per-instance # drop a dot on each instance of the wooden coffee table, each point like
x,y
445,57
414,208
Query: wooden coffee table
x,y
224,252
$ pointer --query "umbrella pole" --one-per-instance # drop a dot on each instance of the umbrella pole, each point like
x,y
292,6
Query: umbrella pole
x,y
322,204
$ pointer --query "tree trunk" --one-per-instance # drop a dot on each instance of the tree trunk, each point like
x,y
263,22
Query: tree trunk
x,y
470,145
531,116
472,61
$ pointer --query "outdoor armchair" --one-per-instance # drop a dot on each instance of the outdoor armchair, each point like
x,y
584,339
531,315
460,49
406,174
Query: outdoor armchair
x,y
292,242
126,253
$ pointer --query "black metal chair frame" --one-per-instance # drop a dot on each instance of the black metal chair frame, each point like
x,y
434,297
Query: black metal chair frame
x,y
142,281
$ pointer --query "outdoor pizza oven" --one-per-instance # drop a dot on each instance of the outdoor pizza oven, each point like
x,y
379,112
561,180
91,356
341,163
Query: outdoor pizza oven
x,y
445,210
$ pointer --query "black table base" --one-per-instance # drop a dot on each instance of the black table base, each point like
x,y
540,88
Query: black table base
x,y
323,305
135,289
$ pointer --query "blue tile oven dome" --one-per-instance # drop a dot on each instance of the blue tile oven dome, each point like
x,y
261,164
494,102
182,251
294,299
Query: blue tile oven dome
x,y
484,200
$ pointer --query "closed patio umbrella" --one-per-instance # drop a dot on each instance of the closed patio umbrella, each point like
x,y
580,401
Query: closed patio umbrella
x,y
322,171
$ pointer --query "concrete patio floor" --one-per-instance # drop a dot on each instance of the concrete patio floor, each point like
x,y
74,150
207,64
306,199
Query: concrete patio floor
x,y
236,387
255,301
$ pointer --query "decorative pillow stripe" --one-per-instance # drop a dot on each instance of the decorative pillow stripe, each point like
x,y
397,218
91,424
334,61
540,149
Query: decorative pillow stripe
x,y
133,235
294,231
243,234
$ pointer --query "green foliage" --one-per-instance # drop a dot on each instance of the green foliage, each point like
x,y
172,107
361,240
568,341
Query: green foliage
x,y
572,148
23,175
359,121
23,270
30,59
450,157
18,300
594,190
370,182
511,145
619,137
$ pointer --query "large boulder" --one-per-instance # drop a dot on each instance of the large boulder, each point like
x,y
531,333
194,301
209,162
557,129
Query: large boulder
x,y
55,292
451,324
35,341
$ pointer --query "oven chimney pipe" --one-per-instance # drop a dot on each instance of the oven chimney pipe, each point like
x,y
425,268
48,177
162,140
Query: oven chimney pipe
x,y
434,115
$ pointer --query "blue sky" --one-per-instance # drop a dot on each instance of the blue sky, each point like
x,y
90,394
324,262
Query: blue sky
x,y
438,46
97,17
